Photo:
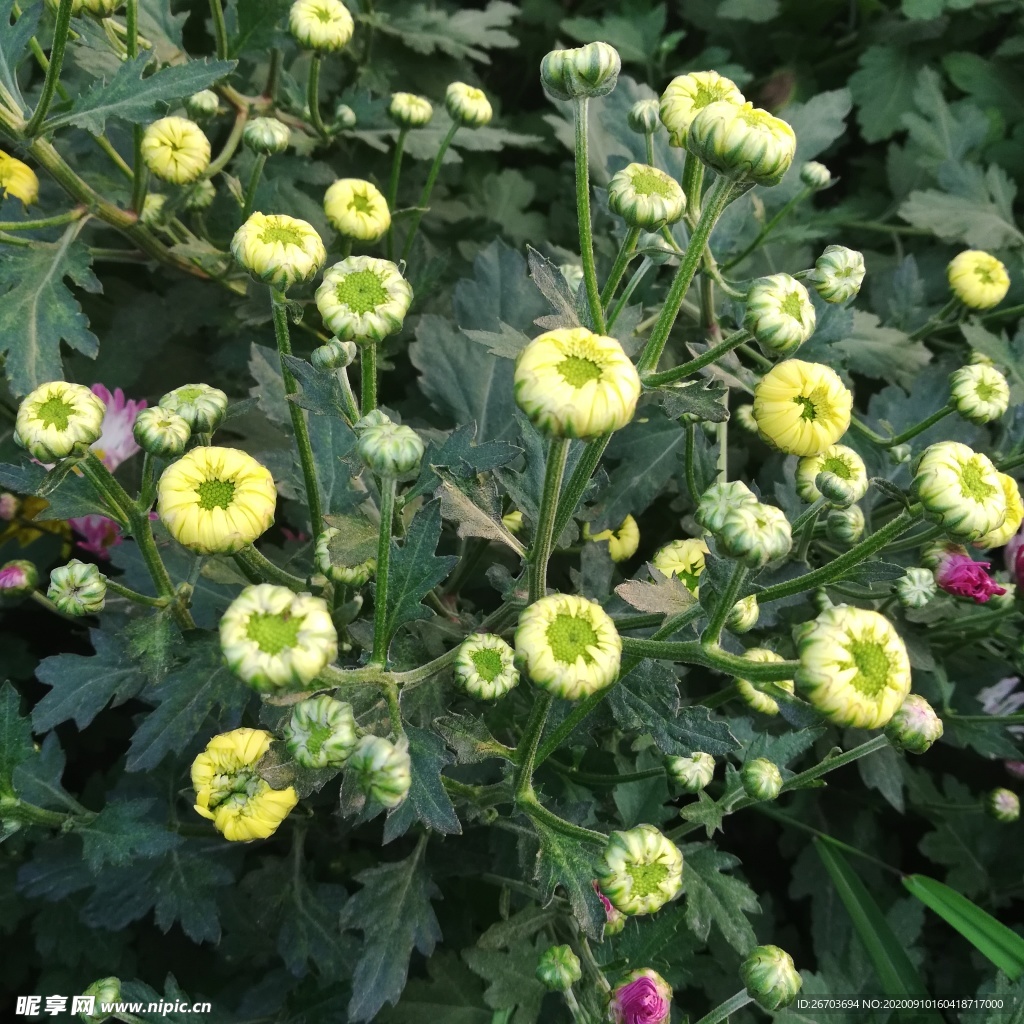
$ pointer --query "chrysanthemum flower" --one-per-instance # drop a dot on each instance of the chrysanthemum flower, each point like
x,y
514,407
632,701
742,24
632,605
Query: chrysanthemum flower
x,y
622,542
391,450
750,692
845,525
467,105
843,464
322,25
408,110
761,779
230,792
744,615
687,95
742,142
176,150
485,666
960,490
979,392
266,136
279,250
216,500
779,314
116,442
357,209
78,588
691,773
958,574
978,279
321,732
643,997
645,197
1003,805
755,534
161,432
56,417
838,273
916,588
915,727
364,299
582,72
382,769
17,578
18,179
640,870
683,558
1014,516
202,407
350,575
815,176
719,499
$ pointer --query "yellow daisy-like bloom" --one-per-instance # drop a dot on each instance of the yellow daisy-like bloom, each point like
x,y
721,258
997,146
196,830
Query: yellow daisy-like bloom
x,y
229,791
485,666
645,197
568,646
978,279
273,638
749,691
408,110
640,870
743,143
960,490
176,150
979,393
802,408
853,667
687,95
573,383
850,482
467,105
56,417
322,25
1014,516
357,209
216,500
279,250
685,559
18,179
364,298
622,543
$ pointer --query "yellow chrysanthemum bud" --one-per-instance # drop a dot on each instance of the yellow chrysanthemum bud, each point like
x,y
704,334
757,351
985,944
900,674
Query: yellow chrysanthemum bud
x,y
720,499
978,279
1003,805
916,588
408,110
853,667
467,105
279,250
979,393
344,118
742,142
581,72
391,451
364,298
685,559
749,691
335,355
1014,515
78,588
273,638
201,406
686,96
754,534
485,666
18,179
104,990
915,727
176,150
645,197
693,773
779,314
802,408
56,418
322,25
568,646
266,135
849,475
513,521
382,769
622,543
216,500
357,209
815,175
771,977
643,117
153,213
743,616
161,432
761,779
838,273
744,416
201,106
845,525
321,732
350,575
960,490
230,792
640,870
571,382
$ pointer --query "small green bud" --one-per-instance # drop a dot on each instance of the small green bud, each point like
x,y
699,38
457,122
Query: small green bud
x,y
915,727
485,666
815,175
743,616
106,990
845,525
78,588
761,779
335,355
410,111
900,453
645,197
374,418
559,969
979,393
344,118
390,450
838,274
199,405
916,588
582,72
467,105
839,492
383,769
1003,805
266,136
152,214
201,106
161,432
643,117
754,534
779,314
719,499
742,142
201,195
770,977
693,773
321,732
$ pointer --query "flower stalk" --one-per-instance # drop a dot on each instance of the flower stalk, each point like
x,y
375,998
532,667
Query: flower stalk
x,y
50,83
428,188
580,114
388,489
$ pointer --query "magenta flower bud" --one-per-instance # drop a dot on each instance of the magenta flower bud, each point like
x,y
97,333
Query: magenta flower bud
x,y
958,574
18,578
615,920
645,997
1015,769
1013,556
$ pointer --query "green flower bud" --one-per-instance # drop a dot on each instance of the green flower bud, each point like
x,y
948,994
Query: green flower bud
x,y
344,118
201,106
645,197
201,195
559,969
364,299
391,450
761,779
161,432
845,525
752,693
686,96
153,213
321,732
815,175
383,769
467,105
754,534
266,136
580,73
779,314
78,588
838,273
106,990
691,774
18,578
56,418
640,870
199,405
410,111
485,666
374,418
1003,805
719,499
743,616
742,143
643,117
979,393
771,977
915,727
960,490
335,355
744,415
916,588
325,26
900,453
349,575
838,474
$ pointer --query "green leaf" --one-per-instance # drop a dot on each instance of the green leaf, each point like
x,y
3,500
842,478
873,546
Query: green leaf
x,y
883,89
466,34
992,84
469,737
14,45
873,571
453,995
511,977
705,399
991,938
15,735
428,801
476,508
553,286
37,311
568,863
462,456
37,779
716,898
83,685
255,25
130,97
943,134
637,36
415,569
394,913
121,832
882,353
319,390
310,929
749,10
667,595
706,812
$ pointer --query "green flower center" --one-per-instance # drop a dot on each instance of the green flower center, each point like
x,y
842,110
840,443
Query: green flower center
x,y
235,788
984,392
285,234
55,412
647,878
487,663
361,203
983,273
362,291
323,14
807,410
273,633
973,483
793,306
186,395
647,182
318,736
706,95
569,636
576,370
215,494
872,665
837,467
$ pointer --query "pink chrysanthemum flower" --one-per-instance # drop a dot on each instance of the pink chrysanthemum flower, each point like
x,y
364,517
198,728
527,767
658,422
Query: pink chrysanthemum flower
x,y
97,534
16,576
1013,556
958,574
644,998
116,443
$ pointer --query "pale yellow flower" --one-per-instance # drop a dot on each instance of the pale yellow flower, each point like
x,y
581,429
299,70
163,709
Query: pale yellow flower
x,y
56,417
978,279
409,110
640,870
357,209
18,179
467,105
364,298
1014,515
622,542
960,490
683,558
742,142
322,25
850,482
279,250
751,693
687,95
645,197
176,150
979,393
485,666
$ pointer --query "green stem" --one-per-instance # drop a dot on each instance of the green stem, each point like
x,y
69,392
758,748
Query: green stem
x,y
580,114
526,749
220,29
528,801
649,148
722,462
368,376
725,1010
601,779
693,182
388,488
234,138
60,42
313,97
934,322
147,489
755,357
625,254
348,398
577,484
44,222
692,652
418,675
273,74
279,306
808,515
806,522
140,173
717,199
638,275
726,600
558,451
768,228
653,380
390,690
922,426
254,183
690,462
132,595
256,565
392,196
428,188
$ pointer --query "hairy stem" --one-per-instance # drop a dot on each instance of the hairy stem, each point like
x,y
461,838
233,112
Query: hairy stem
x,y
580,108
388,488
428,188
558,450
60,41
